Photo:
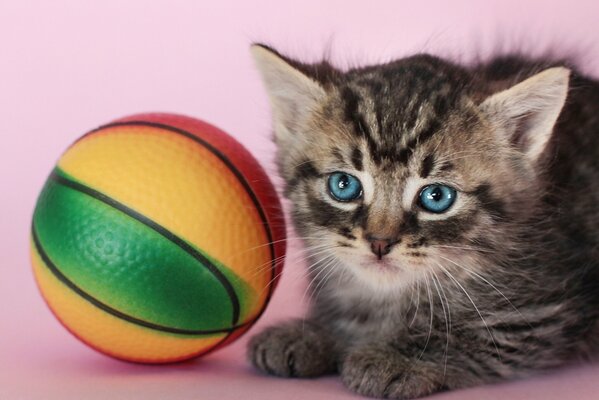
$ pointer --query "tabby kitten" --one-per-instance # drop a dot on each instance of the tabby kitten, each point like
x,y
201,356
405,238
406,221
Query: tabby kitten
x,y
450,215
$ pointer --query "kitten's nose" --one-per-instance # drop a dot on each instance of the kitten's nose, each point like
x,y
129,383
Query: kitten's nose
x,y
380,247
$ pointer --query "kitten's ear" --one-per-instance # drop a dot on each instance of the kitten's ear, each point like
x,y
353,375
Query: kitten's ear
x,y
527,112
293,94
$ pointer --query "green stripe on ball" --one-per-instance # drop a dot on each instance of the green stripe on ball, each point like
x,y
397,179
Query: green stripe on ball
x,y
130,267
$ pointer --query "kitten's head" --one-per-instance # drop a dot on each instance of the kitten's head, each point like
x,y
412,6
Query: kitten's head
x,y
409,168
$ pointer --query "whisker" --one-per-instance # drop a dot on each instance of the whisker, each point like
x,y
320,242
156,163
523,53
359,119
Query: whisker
x,y
437,284
332,268
462,248
417,304
279,241
473,304
492,286
300,257
330,259
430,330
305,257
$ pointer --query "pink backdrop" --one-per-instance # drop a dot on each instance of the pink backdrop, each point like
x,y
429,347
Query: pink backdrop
x,y
68,66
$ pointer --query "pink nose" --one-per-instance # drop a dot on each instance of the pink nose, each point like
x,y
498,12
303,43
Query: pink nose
x,y
380,247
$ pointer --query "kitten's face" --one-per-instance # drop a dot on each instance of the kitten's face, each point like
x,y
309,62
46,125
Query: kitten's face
x,y
398,172
460,166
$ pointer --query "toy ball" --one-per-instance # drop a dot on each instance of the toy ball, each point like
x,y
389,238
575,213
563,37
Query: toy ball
x,y
157,238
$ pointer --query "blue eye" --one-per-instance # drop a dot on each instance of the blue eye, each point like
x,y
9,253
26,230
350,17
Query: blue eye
x,y
344,187
437,198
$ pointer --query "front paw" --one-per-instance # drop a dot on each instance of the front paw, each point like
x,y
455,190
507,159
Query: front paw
x,y
380,371
294,349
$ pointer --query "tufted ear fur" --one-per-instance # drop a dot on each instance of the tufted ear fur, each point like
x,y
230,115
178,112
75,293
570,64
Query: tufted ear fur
x,y
526,113
293,94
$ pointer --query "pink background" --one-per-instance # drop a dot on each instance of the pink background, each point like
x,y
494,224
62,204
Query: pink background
x,y
68,66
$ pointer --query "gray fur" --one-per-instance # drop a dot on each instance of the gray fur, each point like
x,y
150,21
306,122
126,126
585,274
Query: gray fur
x,y
506,287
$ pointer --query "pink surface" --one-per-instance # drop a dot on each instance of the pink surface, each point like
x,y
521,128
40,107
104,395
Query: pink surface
x,y
68,66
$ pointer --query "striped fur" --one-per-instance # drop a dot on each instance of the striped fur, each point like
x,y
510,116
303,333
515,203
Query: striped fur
x,y
503,285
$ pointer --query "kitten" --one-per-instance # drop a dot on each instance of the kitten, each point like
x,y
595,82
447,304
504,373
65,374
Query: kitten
x,y
451,217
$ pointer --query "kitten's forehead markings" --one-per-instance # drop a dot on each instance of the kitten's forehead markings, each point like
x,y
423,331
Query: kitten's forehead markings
x,y
369,110
338,154
428,166
421,118
357,158
354,115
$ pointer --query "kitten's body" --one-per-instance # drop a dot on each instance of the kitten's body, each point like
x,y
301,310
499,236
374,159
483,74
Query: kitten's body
x,y
505,285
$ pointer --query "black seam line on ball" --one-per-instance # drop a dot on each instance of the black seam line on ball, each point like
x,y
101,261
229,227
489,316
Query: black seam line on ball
x,y
58,274
231,167
183,245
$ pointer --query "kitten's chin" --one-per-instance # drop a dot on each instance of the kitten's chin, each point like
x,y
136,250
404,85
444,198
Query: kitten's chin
x,y
384,274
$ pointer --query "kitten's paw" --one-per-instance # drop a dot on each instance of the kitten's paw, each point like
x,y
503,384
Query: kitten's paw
x,y
379,371
294,349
